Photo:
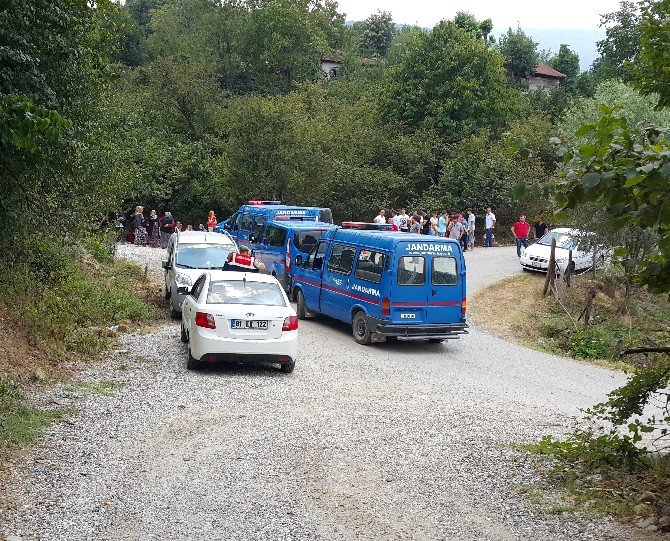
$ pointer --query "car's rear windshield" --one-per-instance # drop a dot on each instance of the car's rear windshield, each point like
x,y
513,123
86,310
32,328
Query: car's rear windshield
x,y
202,256
305,240
562,240
245,292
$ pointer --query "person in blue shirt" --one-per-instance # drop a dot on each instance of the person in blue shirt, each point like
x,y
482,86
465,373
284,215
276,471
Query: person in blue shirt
x,y
442,225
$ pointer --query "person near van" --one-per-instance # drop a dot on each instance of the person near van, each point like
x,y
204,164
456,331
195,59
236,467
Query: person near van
x,y
138,226
243,262
425,222
471,230
433,224
442,223
211,221
541,229
167,228
153,232
490,219
456,229
381,217
403,222
521,230
415,226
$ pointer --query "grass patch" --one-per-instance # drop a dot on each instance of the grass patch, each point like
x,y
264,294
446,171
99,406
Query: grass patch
x,y
516,309
104,388
21,423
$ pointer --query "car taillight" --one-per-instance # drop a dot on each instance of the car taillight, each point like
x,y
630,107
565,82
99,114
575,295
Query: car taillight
x,y
464,306
290,324
287,263
386,306
205,320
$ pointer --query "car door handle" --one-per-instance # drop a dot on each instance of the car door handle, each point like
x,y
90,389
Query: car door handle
x,y
434,292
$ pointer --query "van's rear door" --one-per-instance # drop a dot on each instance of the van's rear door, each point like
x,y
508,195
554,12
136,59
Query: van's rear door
x,y
447,279
411,287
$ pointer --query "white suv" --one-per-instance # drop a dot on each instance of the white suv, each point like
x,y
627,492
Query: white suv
x,y
189,253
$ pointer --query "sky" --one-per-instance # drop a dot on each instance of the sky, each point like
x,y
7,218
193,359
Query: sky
x,y
503,13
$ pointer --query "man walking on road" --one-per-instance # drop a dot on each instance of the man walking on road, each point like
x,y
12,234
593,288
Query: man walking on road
x,y
521,229
490,226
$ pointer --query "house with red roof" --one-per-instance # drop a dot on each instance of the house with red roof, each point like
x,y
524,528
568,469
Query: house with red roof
x,y
544,78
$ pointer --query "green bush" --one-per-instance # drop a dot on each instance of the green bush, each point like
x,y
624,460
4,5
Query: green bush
x,y
591,343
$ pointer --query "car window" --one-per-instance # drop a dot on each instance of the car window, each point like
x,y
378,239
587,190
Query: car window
x,y
245,292
197,287
259,222
341,259
411,271
202,256
246,222
444,271
275,236
370,266
315,259
306,240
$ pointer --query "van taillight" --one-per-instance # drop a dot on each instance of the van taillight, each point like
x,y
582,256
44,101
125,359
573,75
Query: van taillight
x,y
205,320
386,306
290,324
287,263
463,306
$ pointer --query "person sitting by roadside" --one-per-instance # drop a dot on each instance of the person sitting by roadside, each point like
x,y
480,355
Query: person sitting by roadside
x,y
243,262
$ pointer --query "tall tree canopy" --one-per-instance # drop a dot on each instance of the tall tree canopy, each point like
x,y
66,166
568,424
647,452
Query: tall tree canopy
x,y
520,52
377,34
567,62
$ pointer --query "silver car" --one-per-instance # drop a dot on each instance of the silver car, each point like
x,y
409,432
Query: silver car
x,y
188,254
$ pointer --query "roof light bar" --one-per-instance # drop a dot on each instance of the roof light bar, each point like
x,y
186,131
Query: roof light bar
x,y
367,226
260,203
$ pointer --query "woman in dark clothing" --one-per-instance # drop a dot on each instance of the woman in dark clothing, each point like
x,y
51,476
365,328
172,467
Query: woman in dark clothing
x,y
153,229
138,225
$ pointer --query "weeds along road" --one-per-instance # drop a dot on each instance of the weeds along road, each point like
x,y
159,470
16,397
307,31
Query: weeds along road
x,y
402,441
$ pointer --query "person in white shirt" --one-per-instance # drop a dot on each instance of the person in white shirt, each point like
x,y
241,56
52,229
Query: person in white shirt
x,y
396,220
471,230
490,226
381,217
404,221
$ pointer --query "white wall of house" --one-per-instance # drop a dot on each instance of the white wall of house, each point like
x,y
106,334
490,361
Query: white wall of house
x,y
546,84
327,66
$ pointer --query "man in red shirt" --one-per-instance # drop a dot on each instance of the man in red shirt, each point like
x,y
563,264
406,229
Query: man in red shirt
x,y
521,229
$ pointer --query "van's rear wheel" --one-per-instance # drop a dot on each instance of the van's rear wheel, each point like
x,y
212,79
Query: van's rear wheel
x,y
301,307
361,329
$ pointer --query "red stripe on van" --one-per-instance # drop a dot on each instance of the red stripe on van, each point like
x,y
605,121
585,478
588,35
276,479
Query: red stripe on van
x,y
445,303
340,291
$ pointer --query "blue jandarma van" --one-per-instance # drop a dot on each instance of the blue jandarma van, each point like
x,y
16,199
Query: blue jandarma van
x,y
278,233
386,284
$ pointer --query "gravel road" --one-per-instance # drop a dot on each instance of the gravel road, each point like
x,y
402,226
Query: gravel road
x,y
399,441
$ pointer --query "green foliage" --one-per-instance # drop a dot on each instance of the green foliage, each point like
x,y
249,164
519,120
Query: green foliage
x,y
567,62
651,64
592,342
621,44
626,170
468,22
520,53
20,423
377,34
451,82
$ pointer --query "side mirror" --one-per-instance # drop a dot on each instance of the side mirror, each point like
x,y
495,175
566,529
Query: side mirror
x,y
183,290
253,237
298,260
165,264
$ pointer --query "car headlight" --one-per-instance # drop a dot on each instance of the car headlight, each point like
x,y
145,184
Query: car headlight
x,y
183,279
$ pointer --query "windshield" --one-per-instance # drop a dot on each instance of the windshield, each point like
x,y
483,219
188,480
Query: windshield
x,y
245,292
562,240
306,240
202,256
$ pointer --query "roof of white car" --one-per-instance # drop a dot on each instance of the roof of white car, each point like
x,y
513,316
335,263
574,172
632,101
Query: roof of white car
x,y
236,275
571,232
204,237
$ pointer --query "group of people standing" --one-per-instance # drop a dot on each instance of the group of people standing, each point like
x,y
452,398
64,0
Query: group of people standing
x,y
156,231
444,224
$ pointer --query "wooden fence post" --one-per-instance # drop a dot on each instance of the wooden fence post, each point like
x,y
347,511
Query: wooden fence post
x,y
551,269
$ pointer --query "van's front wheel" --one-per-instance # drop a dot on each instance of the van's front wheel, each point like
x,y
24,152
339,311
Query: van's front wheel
x,y
301,307
361,329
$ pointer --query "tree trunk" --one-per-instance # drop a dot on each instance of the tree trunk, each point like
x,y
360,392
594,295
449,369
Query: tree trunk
x,y
551,269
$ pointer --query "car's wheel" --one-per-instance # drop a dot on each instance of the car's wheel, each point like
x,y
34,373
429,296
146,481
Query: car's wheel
x,y
192,364
436,340
361,330
174,314
287,368
301,307
184,336
166,294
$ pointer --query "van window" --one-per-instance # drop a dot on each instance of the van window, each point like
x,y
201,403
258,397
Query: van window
x,y
246,222
274,236
306,240
259,222
341,259
444,271
411,271
315,259
370,266
326,215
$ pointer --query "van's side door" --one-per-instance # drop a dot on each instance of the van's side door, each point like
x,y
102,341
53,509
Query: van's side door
x,y
447,279
245,223
310,276
337,298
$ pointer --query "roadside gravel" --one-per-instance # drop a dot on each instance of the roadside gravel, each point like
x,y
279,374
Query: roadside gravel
x,y
399,441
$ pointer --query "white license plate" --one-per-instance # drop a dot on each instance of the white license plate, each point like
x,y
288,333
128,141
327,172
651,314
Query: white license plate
x,y
248,324
535,264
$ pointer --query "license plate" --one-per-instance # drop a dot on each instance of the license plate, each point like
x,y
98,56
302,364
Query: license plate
x,y
249,324
534,264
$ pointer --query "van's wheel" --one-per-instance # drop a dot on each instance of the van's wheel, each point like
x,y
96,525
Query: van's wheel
x,y
191,363
301,307
184,336
361,330
287,368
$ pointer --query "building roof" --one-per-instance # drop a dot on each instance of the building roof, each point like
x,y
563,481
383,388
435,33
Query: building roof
x,y
336,57
543,70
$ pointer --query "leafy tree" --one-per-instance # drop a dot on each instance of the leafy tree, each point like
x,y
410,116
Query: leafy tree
x,y
467,21
448,81
520,52
141,9
486,27
621,44
377,34
567,62
652,75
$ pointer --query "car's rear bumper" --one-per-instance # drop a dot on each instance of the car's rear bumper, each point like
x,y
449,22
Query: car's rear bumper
x,y
418,331
238,349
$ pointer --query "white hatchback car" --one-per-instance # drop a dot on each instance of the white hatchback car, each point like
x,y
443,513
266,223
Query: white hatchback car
x,y
536,256
238,316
